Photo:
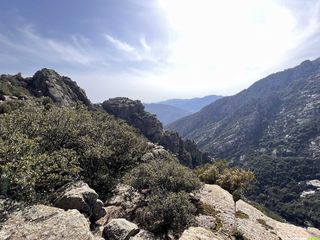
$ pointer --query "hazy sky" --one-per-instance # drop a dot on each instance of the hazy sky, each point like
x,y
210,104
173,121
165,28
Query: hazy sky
x,y
158,49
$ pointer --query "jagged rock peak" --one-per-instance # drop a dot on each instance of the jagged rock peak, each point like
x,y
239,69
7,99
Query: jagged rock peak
x,y
61,89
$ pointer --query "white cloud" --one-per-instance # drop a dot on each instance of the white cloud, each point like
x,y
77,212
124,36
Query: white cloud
x,y
144,44
121,45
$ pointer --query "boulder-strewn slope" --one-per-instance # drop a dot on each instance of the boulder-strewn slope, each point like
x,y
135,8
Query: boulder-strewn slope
x,y
45,222
272,128
45,83
133,112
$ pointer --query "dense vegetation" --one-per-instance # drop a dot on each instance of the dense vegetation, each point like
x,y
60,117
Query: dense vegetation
x,y
281,192
42,147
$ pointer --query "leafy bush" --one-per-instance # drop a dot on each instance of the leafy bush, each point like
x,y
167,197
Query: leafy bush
x,y
163,176
171,211
167,184
231,179
42,148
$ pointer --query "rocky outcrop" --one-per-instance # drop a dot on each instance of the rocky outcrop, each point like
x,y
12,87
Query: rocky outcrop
x,y
45,83
134,114
60,89
46,223
81,197
120,229
249,222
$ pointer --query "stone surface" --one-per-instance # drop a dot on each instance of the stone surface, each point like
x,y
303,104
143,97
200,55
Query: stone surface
x,y
144,235
199,233
255,225
112,212
260,227
77,196
120,229
207,222
126,197
98,211
222,202
48,223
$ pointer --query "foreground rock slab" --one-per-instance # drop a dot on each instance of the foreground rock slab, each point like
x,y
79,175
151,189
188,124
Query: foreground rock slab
x,y
41,222
260,227
199,233
120,229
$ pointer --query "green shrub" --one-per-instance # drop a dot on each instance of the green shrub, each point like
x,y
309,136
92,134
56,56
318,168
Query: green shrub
x,y
172,211
163,176
43,148
230,179
167,184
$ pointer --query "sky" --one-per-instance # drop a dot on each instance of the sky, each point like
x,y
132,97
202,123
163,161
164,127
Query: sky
x,y
153,50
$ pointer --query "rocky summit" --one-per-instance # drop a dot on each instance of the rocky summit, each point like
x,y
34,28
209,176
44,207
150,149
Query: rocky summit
x,y
44,83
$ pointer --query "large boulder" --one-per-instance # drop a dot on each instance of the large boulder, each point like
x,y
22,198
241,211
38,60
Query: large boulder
x,y
81,197
120,229
47,223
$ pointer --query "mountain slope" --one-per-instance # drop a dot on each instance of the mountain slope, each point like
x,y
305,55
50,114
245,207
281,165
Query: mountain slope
x,y
166,113
191,105
272,128
235,120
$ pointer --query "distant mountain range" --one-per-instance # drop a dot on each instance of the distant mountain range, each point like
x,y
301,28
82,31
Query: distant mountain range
x,y
173,109
272,128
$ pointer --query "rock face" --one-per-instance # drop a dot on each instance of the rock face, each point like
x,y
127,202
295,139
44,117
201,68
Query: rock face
x,y
133,112
272,128
81,197
45,83
199,233
60,89
120,229
251,223
46,223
